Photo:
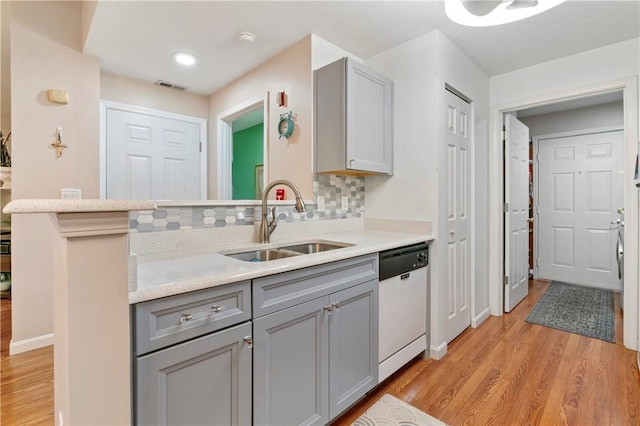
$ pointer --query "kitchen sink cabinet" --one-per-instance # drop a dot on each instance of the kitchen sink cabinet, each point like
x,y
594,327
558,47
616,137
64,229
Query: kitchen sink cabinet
x,y
193,363
353,125
287,349
204,381
320,353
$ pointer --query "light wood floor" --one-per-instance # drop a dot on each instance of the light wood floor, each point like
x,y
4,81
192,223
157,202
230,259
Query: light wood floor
x,y
510,372
506,372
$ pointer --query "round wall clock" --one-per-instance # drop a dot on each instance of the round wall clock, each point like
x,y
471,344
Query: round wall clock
x,y
285,126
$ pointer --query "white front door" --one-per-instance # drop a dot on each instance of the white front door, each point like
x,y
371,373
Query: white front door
x,y
516,244
580,190
151,157
458,249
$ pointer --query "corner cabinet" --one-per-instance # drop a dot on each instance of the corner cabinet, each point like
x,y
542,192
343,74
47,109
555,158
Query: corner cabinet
x,y
315,353
353,126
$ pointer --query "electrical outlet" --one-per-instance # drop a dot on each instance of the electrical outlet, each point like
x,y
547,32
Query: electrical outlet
x,y
70,194
344,203
320,204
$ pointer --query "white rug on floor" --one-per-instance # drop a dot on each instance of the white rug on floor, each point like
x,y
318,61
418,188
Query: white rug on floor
x,y
390,411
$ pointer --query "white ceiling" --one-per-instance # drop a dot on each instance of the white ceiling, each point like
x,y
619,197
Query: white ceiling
x,y
137,38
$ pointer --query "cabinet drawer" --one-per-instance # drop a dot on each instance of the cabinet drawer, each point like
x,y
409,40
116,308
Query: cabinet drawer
x,y
163,322
280,291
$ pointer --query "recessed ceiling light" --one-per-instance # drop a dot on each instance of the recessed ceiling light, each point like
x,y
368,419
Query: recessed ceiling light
x,y
484,13
184,58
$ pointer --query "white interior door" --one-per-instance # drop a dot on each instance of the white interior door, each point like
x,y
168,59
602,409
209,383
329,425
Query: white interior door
x,y
151,157
516,244
580,190
458,134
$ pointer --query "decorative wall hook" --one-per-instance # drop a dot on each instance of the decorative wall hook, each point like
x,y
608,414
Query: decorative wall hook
x,y
58,145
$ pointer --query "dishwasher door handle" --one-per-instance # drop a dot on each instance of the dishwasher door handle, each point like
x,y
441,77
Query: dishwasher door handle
x,y
405,276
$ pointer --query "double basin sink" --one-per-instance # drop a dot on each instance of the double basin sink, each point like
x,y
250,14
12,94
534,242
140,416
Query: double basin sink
x,y
284,251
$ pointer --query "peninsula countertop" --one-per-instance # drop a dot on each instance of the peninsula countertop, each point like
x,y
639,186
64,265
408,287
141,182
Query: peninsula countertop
x,y
168,274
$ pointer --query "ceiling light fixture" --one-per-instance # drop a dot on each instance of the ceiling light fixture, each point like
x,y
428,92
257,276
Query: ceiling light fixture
x,y
185,58
246,37
484,13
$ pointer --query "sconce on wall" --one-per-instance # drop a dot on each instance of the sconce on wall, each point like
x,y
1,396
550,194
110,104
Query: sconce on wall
x,y
58,145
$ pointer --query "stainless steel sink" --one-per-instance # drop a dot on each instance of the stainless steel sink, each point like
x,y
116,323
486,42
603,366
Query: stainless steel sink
x,y
284,251
262,255
315,247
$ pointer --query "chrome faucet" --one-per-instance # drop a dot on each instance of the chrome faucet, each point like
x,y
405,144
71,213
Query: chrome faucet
x,y
266,228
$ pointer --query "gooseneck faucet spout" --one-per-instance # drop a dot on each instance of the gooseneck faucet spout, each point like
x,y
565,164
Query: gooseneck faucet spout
x,y
266,228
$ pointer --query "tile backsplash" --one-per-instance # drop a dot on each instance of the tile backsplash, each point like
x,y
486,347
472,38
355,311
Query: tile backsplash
x,y
331,187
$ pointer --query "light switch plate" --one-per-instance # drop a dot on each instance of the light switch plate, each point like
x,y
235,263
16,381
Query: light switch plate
x,y
320,204
344,203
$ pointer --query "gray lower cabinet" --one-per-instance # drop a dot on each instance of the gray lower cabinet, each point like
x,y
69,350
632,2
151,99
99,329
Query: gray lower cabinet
x,y
205,381
313,360
290,366
353,332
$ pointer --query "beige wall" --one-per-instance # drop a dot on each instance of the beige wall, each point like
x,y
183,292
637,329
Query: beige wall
x,y
133,92
46,40
287,158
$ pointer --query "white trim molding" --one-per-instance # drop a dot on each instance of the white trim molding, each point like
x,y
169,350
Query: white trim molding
x,y
480,318
30,344
438,352
225,142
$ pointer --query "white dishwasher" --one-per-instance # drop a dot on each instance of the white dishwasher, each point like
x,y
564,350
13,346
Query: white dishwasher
x,y
403,306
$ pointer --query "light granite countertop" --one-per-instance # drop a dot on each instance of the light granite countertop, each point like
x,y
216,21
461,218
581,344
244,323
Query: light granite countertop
x,y
167,274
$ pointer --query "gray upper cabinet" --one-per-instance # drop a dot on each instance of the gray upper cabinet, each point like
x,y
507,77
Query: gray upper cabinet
x,y
353,126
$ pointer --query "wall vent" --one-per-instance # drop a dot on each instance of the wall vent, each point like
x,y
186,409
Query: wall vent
x,y
169,85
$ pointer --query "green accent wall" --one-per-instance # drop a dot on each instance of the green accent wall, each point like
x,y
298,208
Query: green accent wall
x,y
247,154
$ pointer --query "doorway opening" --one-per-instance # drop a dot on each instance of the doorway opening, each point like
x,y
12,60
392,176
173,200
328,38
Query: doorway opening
x,y
498,244
561,226
243,150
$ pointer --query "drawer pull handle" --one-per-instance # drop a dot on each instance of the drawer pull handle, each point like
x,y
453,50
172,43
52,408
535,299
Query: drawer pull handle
x,y
186,317
248,340
216,309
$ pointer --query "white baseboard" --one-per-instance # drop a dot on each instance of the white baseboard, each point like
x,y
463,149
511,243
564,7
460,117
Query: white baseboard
x,y
439,351
30,344
475,322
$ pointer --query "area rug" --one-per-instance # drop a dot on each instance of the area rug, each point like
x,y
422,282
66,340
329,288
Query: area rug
x,y
577,309
390,411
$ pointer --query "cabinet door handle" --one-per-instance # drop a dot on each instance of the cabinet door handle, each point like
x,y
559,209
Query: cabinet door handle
x,y
186,317
248,340
216,309
328,308
336,305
